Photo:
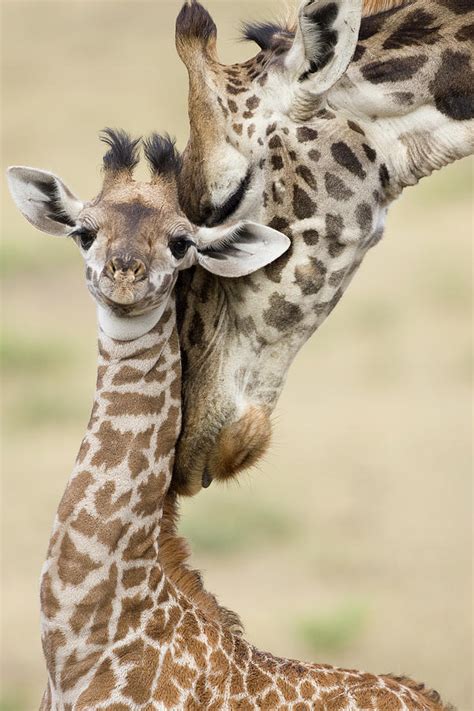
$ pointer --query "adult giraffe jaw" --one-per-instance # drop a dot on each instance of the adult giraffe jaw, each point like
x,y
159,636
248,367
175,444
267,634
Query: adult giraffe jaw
x,y
331,123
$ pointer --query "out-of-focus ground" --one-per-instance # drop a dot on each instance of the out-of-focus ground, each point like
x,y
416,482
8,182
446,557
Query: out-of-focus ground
x,y
351,543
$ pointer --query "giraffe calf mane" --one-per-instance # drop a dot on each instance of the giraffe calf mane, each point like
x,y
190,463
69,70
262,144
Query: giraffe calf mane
x,y
174,557
429,694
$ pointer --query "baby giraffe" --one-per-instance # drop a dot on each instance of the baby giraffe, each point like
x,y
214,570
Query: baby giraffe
x,y
118,631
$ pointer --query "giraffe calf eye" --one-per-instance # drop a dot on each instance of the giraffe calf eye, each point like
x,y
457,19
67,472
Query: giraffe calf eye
x,y
86,237
179,247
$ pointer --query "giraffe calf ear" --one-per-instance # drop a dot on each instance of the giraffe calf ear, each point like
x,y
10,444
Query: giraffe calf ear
x,y
240,249
325,42
44,200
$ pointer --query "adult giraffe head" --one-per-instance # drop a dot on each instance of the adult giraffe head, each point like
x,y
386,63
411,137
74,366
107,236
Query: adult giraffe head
x,y
314,136
133,236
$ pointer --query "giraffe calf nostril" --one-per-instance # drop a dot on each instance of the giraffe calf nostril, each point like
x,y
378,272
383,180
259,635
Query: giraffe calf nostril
x,y
138,268
115,264
130,269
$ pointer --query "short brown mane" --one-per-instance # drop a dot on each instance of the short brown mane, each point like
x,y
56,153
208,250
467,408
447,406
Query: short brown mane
x,y
174,556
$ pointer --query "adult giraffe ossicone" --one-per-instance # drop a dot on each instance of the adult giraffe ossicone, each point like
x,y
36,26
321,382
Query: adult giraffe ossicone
x,y
122,628
315,136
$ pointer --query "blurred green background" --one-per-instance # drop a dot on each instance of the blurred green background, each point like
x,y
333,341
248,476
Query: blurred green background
x,y
351,543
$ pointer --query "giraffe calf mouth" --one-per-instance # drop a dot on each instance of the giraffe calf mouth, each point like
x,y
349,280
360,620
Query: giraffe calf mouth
x,y
123,293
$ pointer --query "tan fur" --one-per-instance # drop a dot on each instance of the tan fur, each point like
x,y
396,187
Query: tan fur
x,y
242,443
372,7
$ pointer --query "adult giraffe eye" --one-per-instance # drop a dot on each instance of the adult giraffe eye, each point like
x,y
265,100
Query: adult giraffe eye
x,y
86,238
179,247
218,214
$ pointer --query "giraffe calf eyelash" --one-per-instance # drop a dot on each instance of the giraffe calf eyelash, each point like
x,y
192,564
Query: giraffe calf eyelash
x,y
80,231
85,236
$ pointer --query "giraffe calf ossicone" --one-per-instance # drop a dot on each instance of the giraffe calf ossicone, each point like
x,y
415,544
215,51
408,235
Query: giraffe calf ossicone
x,y
124,626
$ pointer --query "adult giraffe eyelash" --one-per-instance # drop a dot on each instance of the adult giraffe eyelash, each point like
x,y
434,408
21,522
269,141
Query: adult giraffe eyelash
x,y
223,212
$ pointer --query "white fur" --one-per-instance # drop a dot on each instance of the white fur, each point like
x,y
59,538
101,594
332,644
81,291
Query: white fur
x,y
252,256
308,38
24,185
128,328
235,168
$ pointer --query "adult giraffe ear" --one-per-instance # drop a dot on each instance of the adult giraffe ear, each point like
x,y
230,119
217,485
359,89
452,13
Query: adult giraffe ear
x,y
240,249
44,200
325,42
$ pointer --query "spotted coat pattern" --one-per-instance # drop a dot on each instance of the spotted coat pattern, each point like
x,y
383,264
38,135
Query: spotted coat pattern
x,y
118,633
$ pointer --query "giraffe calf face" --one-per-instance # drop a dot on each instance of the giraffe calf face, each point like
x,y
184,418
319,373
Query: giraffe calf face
x,y
134,241
133,236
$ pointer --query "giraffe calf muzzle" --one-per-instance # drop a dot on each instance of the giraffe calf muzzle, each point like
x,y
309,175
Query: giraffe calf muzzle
x,y
124,279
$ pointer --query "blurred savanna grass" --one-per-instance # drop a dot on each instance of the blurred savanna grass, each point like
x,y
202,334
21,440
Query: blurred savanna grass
x,y
350,544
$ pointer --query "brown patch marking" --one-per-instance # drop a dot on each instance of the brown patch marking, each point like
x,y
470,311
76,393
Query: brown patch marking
x,y
74,566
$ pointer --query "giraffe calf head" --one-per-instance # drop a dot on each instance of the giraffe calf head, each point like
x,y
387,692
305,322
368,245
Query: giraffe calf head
x,y
133,236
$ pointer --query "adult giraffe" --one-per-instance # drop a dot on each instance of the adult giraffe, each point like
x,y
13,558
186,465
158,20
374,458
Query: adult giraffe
x,y
315,136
